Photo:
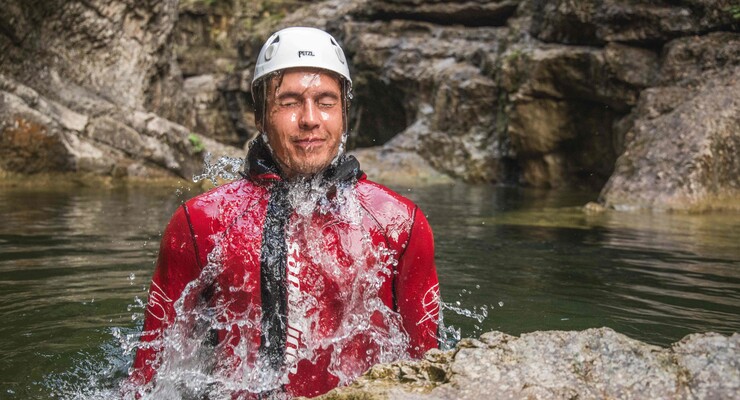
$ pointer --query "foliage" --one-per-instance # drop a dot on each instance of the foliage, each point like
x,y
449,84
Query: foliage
x,y
196,142
734,11
208,3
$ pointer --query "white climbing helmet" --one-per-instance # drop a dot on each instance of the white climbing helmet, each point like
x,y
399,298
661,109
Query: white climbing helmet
x,y
300,47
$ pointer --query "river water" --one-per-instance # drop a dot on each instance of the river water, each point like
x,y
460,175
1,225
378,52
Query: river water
x,y
75,267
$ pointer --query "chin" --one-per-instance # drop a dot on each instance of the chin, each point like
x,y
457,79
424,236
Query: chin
x,y
308,169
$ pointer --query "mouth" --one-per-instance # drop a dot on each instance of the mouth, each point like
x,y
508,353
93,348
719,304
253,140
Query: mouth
x,y
308,142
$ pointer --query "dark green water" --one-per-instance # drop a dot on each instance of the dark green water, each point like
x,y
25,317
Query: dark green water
x,y
72,264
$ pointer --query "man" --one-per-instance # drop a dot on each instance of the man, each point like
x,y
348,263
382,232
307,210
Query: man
x,y
303,274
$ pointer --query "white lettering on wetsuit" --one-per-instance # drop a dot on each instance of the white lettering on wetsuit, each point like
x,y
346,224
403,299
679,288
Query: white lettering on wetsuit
x,y
294,317
430,305
157,301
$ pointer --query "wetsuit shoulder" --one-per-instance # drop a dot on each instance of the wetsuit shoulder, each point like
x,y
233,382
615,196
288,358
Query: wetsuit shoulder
x,y
378,197
222,204
393,213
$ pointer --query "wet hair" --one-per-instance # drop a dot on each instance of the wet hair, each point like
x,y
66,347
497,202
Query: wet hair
x,y
259,94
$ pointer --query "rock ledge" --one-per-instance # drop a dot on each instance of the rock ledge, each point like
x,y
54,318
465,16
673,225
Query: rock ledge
x,y
589,364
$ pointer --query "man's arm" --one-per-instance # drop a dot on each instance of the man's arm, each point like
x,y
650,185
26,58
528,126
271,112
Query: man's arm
x,y
417,288
177,265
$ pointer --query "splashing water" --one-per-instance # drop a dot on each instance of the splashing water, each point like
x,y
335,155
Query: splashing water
x,y
225,167
365,269
191,364
449,335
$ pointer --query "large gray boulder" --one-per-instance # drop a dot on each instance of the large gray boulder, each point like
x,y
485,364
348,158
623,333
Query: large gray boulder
x,y
684,138
590,364
40,135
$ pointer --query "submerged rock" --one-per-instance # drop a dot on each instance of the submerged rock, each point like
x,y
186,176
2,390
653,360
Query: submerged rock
x,y
590,364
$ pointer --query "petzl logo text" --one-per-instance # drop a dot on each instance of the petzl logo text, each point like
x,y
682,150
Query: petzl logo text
x,y
305,53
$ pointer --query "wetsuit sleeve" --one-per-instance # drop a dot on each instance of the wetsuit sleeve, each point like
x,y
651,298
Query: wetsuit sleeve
x,y
417,288
177,265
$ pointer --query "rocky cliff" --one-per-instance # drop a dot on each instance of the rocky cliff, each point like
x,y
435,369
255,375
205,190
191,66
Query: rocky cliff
x,y
637,97
592,364
85,86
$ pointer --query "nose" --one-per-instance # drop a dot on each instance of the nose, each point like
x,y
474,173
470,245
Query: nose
x,y
309,116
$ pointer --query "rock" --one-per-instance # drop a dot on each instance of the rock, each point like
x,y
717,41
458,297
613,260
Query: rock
x,y
596,22
464,98
595,363
29,141
688,60
210,113
468,13
208,40
116,49
443,100
579,73
562,104
383,165
72,73
41,135
547,94
681,148
180,149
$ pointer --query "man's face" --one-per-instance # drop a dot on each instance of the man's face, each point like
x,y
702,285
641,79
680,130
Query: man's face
x,y
304,120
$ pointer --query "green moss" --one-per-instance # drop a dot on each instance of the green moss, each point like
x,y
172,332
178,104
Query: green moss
x,y
208,3
196,142
734,12
514,55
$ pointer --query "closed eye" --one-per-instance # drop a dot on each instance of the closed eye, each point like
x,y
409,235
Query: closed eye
x,y
288,102
328,101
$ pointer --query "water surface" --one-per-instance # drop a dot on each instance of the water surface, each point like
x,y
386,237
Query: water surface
x,y
75,266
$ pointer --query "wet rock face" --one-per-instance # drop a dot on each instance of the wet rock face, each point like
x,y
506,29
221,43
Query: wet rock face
x,y
546,93
484,101
446,122
38,134
681,150
114,49
559,120
595,363
642,22
75,80
445,12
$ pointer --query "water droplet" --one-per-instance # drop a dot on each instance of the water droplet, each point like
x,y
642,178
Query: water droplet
x,y
225,167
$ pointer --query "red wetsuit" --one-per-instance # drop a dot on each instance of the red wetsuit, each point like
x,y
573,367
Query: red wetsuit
x,y
236,218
